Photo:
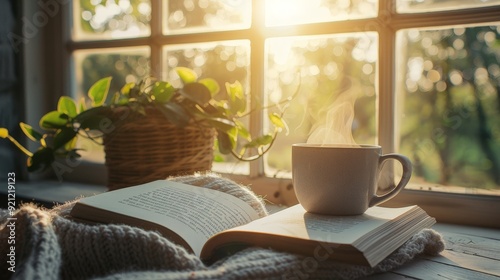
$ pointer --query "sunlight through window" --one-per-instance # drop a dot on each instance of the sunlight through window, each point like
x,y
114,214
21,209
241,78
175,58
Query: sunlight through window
x,y
111,19
291,12
281,12
445,82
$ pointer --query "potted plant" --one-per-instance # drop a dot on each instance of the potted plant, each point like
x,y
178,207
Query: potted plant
x,y
145,119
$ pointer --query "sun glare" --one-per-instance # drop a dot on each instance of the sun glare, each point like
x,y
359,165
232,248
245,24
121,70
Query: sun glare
x,y
284,12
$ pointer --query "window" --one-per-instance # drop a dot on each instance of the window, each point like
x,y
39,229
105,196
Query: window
x,y
417,77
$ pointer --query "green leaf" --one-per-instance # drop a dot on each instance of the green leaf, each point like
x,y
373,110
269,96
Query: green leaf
x,y
233,135
162,92
70,146
221,124
92,123
218,158
43,141
63,136
236,97
120,99
115,98
225,143
41,159
99,91
276,120
175,113
97,111
197,92
211,84
30,132
81,105
67,106
54,120
126,88
260,141
213,110
242,130
92,118
187,75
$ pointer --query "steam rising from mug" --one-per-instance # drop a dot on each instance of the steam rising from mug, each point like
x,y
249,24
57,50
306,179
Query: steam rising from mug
x,y
337,127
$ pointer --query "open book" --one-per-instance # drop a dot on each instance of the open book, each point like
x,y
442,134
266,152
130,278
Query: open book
x,y
212,224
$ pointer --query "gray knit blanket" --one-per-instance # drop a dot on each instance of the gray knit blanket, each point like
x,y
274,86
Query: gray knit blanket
x,y
49,245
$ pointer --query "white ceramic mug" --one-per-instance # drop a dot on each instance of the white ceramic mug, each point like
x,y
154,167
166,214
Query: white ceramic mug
x,y
342,179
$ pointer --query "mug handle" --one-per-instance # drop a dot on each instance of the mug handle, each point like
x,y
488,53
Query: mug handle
x,y
407,169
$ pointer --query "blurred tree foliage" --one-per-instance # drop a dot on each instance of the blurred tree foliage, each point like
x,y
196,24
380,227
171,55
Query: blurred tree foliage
x,y
327,69
124,66
451,119
123,17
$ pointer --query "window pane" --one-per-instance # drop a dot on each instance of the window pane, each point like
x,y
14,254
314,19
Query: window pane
x,y
186,16
337,99
419,6
111,19
124,65
285,12
227,61
449,92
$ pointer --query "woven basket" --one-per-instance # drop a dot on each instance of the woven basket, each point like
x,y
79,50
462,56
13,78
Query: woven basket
x,y
142,148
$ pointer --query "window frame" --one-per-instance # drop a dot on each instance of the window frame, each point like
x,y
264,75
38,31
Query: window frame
x,y
468,209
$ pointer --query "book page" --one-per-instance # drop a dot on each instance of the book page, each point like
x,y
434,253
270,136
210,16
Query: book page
x,y
296,222
194,213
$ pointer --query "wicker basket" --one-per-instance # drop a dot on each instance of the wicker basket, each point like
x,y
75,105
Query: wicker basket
x,y
142,148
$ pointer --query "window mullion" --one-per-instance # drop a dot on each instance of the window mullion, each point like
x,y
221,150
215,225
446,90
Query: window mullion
x,y
156,59
446,18
385,79
386,88
118,43
257,70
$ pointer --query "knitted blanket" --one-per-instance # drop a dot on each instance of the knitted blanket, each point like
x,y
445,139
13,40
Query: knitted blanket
x,y
49,245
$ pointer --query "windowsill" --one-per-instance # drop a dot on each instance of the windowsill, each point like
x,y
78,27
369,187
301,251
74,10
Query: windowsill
x,y
450,208
52,192
55,192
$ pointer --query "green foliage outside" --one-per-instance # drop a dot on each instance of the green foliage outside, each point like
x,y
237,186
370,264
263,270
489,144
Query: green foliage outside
x,y
450,127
